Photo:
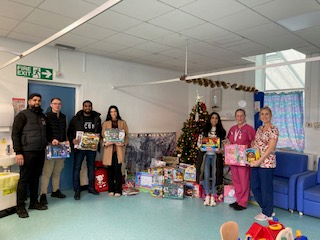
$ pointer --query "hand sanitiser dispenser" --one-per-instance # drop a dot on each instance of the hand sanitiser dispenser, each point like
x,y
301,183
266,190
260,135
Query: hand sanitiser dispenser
x,y
7,115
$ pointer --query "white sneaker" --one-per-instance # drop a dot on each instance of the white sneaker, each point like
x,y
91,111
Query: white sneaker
x,y
273,214
213,203
207,201
111,194
262,217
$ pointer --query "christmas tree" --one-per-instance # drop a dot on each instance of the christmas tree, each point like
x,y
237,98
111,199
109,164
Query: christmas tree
x,y
187,148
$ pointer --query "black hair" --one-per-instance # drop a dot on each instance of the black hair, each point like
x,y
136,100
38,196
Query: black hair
x,y
220,131
108,113
87,101
33,95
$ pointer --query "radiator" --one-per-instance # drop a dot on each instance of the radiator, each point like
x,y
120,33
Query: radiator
x,y
312,159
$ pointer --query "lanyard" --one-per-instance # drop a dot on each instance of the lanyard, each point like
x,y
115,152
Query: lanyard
x,y
236,133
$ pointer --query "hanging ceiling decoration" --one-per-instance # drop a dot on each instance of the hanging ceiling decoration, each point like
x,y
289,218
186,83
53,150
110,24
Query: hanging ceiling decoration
x,y
217,83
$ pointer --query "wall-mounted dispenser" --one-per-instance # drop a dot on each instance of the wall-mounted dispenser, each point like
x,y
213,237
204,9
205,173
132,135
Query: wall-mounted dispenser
x,y
7,115
216,99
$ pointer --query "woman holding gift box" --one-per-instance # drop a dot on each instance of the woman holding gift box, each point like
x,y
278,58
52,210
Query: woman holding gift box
x,y
262,172
213,128
114,152
241,134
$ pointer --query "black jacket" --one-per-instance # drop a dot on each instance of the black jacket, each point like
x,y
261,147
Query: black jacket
x,y
29,131
77,124
56,127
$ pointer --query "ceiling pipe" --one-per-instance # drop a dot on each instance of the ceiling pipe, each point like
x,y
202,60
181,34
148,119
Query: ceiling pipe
x,y
67,29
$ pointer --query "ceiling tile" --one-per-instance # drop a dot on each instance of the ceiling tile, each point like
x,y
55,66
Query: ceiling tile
x,y
32,3
25,37
147,31
176,21
174,53
124,39
280,9
110,47
174,40
204,31
8,23
75,40
241,20
311,35
251,3
210,10
72,8
177,3
152,47
48,19
142,9
35,30
107,20
14,10
93,31
3,32
134,53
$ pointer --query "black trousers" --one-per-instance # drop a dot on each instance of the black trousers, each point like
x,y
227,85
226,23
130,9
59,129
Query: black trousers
x,y
29,175
114,176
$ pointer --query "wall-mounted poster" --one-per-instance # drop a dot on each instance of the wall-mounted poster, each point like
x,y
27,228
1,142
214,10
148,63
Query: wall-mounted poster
x,y
18,105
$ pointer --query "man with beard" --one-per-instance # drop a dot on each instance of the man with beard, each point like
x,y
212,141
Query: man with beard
x,y
86,120
29,143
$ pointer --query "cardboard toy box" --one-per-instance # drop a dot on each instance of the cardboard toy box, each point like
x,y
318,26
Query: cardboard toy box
x,y
190,174
212,143
88,140
235,155
229,194
8,189
174,190
58,151
156,191
144,181
114,135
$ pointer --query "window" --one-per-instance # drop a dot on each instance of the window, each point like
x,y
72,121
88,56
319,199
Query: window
x,y
284,93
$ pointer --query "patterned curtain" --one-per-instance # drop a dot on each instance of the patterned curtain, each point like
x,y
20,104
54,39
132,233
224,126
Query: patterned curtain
x,y
287,115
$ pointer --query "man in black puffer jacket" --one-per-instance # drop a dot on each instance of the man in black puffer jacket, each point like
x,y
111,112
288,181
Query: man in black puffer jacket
x,y
29,143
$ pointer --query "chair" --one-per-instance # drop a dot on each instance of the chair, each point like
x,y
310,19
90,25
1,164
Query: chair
x,y
289,167
229,231
308,194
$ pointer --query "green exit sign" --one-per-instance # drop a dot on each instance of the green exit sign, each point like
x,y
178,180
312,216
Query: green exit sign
x,y
33,72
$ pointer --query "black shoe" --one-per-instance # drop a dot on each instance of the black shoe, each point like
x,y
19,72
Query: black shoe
x,y
37,206
58,194
239,208
43,199
232,205
93,191
22,212
77,195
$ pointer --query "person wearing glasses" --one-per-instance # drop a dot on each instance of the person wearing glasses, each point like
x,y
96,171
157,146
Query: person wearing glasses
x,y
56,133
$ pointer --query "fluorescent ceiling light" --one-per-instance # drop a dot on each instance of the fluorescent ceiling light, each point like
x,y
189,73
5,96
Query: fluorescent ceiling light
x,y
300,22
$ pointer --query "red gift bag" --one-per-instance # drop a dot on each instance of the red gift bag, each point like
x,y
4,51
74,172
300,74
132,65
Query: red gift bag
x,y
101,181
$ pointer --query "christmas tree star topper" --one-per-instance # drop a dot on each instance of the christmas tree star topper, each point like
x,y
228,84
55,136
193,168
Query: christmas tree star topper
x,y
198,97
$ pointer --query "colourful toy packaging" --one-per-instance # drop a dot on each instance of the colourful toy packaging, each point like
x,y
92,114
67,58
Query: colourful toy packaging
x,y
197,190
174,190
156,191
190,174
158,179
168,174
156,170
235,155
189,189
178,175
229,194
212,143
252,154
144,181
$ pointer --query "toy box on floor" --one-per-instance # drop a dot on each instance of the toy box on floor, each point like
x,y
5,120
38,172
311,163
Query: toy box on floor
x,y
144,181
174,190
157,191
229,194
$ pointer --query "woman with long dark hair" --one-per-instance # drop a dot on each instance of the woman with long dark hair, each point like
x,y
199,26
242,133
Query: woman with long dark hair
x,y
114,153
213,159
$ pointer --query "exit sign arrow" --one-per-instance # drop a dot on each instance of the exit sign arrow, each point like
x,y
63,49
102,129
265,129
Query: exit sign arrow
x,y
47,73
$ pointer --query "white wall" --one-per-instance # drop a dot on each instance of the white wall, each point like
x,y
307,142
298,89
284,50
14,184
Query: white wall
x,y
157,108
154,108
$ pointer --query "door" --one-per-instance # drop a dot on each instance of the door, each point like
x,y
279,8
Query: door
x,y
67,96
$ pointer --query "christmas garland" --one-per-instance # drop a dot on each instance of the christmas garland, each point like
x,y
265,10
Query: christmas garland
x,y
217,83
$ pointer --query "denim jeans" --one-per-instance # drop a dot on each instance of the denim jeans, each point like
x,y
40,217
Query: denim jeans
x,y
208,166
90,158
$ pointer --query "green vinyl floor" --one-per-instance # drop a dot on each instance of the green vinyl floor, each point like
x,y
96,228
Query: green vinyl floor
x,y
139,217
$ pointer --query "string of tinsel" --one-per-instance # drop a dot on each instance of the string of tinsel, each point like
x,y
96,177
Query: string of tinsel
x,y
218,83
